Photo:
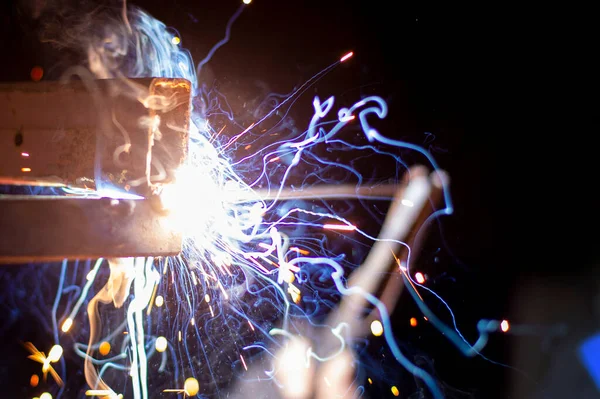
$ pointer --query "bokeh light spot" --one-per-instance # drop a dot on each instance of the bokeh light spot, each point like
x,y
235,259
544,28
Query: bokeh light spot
x,y
37,72
376,328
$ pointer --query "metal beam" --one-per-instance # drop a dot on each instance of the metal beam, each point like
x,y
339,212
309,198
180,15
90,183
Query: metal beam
x,y
73,133
37,229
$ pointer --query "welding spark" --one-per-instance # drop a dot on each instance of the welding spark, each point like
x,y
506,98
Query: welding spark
x,y
252,241
347,56
53,357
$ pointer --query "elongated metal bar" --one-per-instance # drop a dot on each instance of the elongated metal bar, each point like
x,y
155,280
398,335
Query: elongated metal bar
x,y
35,229
99,134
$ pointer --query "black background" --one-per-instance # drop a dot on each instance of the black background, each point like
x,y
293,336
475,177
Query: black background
x,y
485,81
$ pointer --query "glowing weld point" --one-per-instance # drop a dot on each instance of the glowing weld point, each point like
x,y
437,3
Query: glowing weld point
x,y
175,40
34,380
207,298
159,301
504,326
46,395
342,227
105,393
67,325
395,391
345,57
247,1
25,154
413,322
420,278
376,328
408,203
25,169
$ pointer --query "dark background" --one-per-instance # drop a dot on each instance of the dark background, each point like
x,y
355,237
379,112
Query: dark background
x,y
488,84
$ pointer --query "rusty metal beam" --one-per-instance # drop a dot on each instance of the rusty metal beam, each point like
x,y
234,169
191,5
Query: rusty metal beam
x,y
36,229
54,133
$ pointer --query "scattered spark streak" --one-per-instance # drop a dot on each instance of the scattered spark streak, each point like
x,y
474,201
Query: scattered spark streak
x,y
370,381
166,266
346,118
327,381
192,321
243,362
413,322
179,335
404,271
225,295
25,170
40,357
25,154
161,344
504,326
213,138
395,391
159,301
299,250
420,278
152,298
294,293
251,326
236,137
66,326
376,328
345,57
407,202
341,227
